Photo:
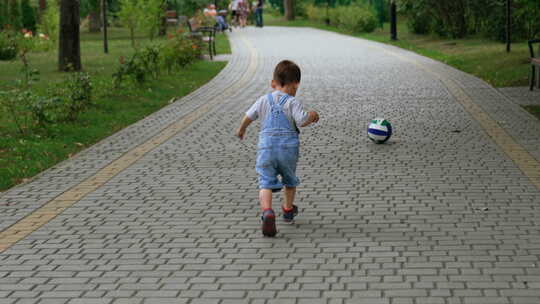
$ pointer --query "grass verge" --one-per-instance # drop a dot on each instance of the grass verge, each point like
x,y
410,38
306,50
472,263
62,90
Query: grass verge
x,y
534,110
24,157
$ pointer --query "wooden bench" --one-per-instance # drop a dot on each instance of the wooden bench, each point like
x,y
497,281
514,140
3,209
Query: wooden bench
x,y
172,18
206,33
535,65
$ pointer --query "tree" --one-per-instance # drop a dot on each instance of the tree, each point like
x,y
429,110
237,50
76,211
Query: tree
x,y
129,17
49,21
289,9
14,14
94,15
28,16
3,14
69,46
144,15
393,20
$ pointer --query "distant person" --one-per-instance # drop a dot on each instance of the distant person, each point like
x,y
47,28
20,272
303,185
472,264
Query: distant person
x,y
234,10
259,13
222,21
210,11
278,153
243,11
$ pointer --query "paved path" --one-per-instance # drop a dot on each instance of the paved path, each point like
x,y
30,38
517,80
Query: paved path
x,y
522,95
165,211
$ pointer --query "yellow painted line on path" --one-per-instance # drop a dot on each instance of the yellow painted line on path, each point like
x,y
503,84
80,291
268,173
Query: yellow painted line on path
x,y
50,210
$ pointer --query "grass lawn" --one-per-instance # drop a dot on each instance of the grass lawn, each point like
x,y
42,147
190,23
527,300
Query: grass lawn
x,y
481,57
535,110
23,157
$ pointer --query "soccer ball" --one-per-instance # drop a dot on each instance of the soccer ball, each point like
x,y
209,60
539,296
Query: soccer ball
x,y
379,130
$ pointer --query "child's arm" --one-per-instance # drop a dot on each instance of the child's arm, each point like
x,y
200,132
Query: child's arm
x,y
313,117
243,126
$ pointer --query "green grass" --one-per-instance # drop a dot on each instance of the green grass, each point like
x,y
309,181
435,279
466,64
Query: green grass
x,y
24,157
222,44
534,110
478,56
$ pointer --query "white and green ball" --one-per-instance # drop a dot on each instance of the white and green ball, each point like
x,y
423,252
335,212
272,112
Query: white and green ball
x,y
379,130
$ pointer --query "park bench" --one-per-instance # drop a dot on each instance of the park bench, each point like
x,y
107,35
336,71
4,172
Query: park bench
x,y
205,33
172,18
535,65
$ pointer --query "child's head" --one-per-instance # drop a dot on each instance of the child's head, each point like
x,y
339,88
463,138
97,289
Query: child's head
x,y
287,76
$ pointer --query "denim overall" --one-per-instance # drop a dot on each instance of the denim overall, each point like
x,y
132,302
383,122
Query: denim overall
x,y
278,148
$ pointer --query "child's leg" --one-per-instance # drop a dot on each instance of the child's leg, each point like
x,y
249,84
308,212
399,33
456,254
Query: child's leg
x,y
290,193
265,196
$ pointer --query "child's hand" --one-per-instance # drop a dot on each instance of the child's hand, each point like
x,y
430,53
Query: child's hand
x,y
315,116
240,133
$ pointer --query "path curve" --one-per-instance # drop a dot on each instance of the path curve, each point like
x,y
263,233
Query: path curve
x,y
435,216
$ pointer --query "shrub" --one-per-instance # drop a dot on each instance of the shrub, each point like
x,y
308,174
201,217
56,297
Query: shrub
x,y
333,16
149,58
14,14
142,63
16,103
300,8
3,15
8,45
67,99
179,51
28,16
353,18
315,13
129,70
49,23
419,22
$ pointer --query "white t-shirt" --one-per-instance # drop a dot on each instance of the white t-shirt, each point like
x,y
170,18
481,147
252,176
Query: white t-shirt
x,y
293,109
234,5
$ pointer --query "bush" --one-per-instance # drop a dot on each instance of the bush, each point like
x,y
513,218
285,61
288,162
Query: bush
x,y
14,14
179,51
3,15
49,23
67,99
8,45
16,103
353,18
356,18
315,13
142,63
419,22
28,16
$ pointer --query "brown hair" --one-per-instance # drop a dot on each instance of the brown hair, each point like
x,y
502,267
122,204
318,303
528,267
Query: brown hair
x,y
287,72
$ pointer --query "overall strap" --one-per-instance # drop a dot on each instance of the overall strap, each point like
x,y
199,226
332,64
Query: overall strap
x,y
270,99
283,99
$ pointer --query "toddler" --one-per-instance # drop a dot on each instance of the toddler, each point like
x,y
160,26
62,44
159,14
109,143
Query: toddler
x,y
278,147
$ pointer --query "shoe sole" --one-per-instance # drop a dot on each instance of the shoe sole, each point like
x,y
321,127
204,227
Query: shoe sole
x,y
269,227
288,222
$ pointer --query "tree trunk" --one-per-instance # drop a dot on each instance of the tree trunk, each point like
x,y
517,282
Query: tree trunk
x,y
94,21
393,21
163,26
509,26
42,5
105,24
69,46
289,9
